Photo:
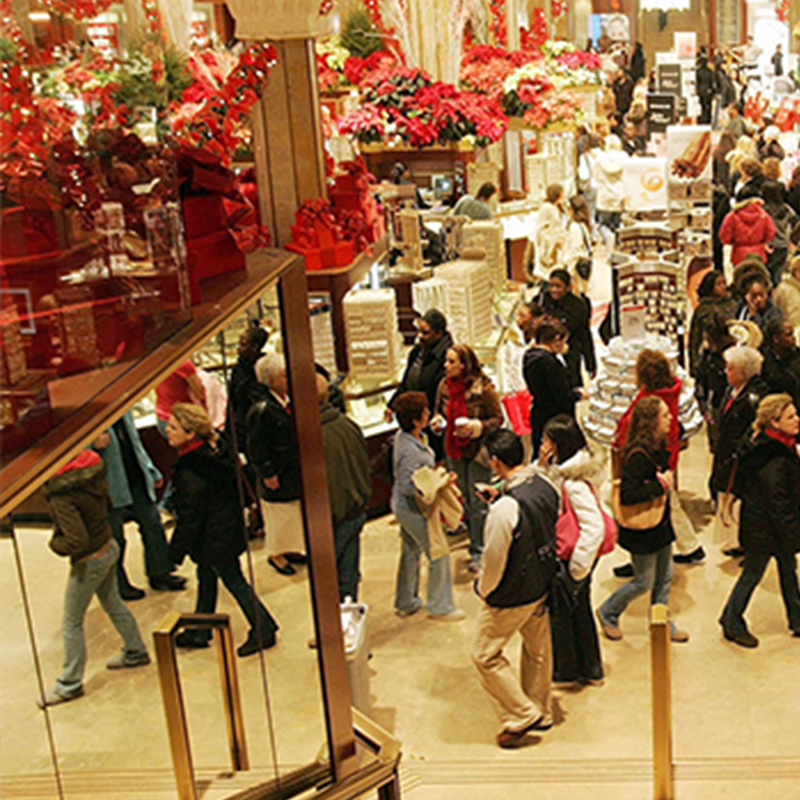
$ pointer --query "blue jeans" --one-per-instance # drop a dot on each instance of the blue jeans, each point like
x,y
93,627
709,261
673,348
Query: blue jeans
x,y
755,564
347,540
652,572
97,576
469,473
230,573
145,513
414,542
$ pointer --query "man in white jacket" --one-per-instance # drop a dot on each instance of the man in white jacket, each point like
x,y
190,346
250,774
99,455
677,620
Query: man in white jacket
x,y
517,566
607,167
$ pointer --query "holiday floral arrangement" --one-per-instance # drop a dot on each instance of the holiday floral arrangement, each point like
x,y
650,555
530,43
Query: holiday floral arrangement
x,y
485,68
404,105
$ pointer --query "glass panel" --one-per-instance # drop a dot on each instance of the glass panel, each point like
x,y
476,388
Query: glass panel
x,y
26,759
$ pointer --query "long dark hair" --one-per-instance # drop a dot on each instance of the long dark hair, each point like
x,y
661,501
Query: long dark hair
x,y
566,435
643,428
472,365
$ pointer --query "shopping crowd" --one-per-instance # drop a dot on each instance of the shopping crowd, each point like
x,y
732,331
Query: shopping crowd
x,y
536,526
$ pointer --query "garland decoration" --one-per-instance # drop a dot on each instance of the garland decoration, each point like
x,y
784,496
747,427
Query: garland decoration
x,y
498,24
217,119
77,9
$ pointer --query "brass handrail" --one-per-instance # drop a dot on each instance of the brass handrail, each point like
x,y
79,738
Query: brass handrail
x,y
174,706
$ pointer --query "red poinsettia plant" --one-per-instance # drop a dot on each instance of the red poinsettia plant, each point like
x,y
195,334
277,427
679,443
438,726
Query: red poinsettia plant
x,y
484,68
406,103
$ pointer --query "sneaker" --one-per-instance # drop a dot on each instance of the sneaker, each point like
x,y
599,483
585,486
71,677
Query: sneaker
x,y
508,740
742,638
125,661
695,557
252,644
679,636
624,571
456,615
609,631
54,697
192,640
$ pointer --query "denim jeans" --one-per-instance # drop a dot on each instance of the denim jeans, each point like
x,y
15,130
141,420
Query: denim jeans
x,y
145,513
754,566
652,572
414,542
347,540
230,573
97,576
469,473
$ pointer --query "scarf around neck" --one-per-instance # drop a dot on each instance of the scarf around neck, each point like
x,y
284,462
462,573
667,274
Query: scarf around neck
x,y
456,407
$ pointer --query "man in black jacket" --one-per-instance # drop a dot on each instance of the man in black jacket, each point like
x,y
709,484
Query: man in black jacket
x,y
517,567
575,314
425,368
705,83
243,387
349,488
547,378
781,369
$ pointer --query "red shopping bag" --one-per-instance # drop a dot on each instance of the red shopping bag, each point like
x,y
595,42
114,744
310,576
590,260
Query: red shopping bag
x,y
518,411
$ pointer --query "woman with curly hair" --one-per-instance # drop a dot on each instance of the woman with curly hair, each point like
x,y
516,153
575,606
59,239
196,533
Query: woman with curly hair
x,y
467,409
646,475
654,377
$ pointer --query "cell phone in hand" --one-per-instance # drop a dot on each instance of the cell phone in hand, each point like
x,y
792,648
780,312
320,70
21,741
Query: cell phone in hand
x,y
485,492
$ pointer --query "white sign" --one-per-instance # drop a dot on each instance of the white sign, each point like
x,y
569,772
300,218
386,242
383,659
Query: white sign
x,y
685,44
645,181
689,168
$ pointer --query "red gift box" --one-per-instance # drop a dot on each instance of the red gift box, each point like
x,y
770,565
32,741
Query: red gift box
x,y
211,255
352,183
203,214
340,255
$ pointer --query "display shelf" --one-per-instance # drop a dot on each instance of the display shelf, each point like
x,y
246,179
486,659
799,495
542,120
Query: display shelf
x,y
115,389
336,283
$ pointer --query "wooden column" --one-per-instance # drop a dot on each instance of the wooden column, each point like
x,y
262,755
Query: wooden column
x,y
287,138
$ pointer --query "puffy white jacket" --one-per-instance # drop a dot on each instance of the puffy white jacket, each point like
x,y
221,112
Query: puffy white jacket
x,y
607,167
786,297
572,477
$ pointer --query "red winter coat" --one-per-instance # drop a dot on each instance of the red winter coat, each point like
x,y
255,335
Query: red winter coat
x,y
671,396
748,228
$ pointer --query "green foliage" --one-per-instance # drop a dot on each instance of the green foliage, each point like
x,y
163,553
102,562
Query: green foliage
x,y
359,35
8,52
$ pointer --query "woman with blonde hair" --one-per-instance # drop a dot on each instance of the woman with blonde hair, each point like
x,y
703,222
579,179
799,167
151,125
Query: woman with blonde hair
x,y
210,525
768,482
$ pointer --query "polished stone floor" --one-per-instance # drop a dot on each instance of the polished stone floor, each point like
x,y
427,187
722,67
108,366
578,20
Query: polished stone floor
x,y
735,711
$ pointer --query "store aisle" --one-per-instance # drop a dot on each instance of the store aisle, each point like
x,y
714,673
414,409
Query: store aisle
x,y
736,731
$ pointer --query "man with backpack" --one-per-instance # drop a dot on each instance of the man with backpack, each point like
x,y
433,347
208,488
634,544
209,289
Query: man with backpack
x,y
517,567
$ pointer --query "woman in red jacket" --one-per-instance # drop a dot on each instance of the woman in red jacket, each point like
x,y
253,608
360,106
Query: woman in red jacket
x,y
747,227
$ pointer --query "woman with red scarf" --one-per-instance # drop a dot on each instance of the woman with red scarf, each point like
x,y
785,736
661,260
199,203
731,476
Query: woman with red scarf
x,y
654,377
467,408
768,482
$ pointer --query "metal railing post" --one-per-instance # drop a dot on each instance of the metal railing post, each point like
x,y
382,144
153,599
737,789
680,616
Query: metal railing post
x,y
174,706
661,677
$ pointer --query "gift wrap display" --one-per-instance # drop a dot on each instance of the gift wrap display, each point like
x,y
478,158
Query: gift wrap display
x,y
374,346
615,387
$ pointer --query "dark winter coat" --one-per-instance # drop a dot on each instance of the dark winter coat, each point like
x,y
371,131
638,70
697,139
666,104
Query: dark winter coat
x,y
575,314
748,228
549,383
734,426
770,312
639,484
782,374
244,391
272,449
79,504
425,376
706,309
768,481
347,463
210,525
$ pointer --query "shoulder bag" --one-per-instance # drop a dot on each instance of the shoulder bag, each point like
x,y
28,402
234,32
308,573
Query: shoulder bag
x,y
640,516
568,527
